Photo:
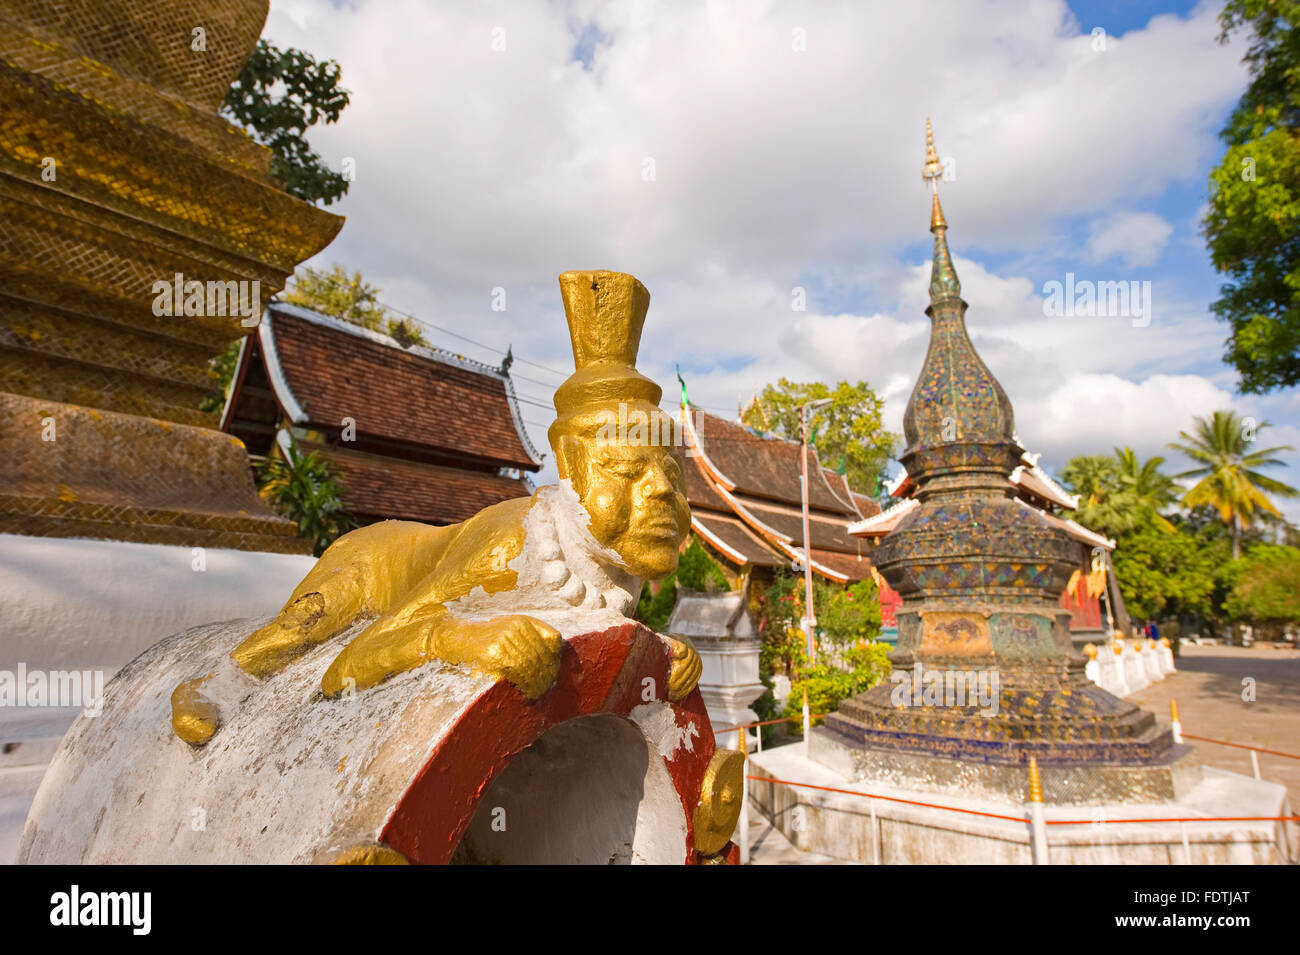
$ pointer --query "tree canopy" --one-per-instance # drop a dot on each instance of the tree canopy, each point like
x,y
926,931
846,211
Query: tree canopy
x,y
1252,224
351,298
1228,470
277,97
1118,492
849,433
1268,588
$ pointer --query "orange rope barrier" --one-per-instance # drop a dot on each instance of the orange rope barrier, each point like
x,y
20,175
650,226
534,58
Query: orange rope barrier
x,y
910,802
1024,819
783,719
1110,822
1224,742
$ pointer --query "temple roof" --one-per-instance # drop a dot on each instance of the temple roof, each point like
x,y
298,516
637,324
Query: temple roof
x,y
881,524
322,371
739,460
746,503
1032,483
382,488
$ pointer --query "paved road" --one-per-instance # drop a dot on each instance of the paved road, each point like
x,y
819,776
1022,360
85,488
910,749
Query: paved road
x,y
1209,689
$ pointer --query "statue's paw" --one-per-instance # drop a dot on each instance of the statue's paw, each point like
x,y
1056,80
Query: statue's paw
x,y
297,628
684,670
523,650
195,718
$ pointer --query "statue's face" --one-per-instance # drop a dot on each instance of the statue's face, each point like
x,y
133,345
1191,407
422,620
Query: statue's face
x,y
637,503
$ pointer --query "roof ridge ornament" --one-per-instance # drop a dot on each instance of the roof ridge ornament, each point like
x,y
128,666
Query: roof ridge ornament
x,y
944,284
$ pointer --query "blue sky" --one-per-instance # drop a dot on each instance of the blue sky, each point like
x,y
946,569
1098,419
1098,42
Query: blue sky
x,y
731,152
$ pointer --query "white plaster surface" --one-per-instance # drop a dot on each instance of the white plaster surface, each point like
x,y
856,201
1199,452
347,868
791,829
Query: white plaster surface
x,y
74,603
566,578
289,777
724,636
841,825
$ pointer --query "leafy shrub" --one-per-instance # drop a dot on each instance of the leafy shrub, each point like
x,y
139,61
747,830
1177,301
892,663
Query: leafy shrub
x,y
302,488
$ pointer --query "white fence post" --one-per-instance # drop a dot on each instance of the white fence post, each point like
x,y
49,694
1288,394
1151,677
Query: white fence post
x,y
1037,818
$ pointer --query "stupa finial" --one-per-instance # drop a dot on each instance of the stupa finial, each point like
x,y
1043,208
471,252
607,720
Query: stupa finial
x,y
943,276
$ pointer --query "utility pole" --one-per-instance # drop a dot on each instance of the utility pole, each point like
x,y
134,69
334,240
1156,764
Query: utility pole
x,y
810,618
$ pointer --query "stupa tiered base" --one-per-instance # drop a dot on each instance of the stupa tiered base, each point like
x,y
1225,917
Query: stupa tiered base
x,y
920,827
1090,746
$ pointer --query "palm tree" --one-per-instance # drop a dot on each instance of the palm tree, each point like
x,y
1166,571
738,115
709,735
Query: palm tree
x,y
1117,493
1228,481
1093,477
1142,485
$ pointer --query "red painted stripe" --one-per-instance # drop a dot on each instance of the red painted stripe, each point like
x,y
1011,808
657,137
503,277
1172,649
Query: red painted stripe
x,y
600,672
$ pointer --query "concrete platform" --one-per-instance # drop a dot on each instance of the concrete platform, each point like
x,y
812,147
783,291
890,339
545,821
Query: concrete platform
x,y
842,825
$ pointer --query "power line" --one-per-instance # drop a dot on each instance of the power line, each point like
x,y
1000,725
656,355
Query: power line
x,y
447,331
534,381
496,351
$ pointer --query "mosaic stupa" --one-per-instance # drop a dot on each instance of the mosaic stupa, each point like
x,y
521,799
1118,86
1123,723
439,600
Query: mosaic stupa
x,y
980,573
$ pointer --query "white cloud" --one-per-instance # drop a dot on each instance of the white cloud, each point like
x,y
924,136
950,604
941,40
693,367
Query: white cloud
x,y
1136,238
777,168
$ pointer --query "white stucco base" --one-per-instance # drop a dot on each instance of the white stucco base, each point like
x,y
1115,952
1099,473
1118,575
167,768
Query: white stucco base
x,y
75,603
720,628
885,832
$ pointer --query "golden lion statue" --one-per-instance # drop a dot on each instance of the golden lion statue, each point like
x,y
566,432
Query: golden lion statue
x,y
475,593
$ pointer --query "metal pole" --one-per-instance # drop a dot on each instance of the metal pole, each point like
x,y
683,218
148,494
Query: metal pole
x,y
744,804
875,835
807,724
810,619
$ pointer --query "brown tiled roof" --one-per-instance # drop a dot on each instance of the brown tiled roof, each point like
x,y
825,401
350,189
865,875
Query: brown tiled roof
x,y
867,506
729,535
699,489
848,566
392,488
759,521
827,530
764,467
415,396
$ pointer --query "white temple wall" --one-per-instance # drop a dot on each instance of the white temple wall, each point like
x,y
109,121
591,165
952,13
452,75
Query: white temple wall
x,y
78,603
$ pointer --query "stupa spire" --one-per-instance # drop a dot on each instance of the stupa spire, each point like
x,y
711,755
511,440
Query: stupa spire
x,y
944,284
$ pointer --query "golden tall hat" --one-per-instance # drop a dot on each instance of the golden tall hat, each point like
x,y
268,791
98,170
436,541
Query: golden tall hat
x,y
605,312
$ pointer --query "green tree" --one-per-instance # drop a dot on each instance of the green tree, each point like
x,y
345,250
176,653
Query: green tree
x,y
1252,225
1165,574
829,684
351,298
222,370
696,571
302,488
849,660
277,97
1268,589
1143,486
849,433
1227,469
